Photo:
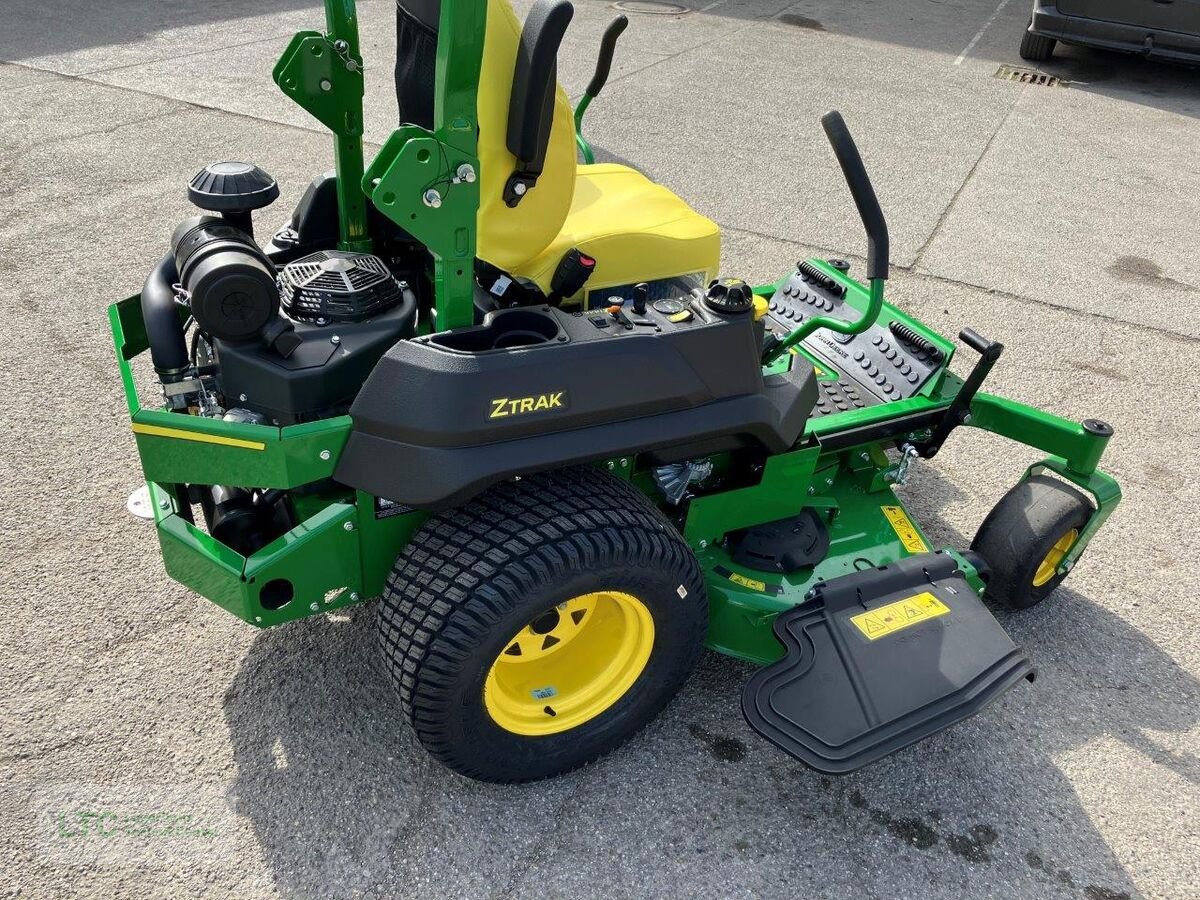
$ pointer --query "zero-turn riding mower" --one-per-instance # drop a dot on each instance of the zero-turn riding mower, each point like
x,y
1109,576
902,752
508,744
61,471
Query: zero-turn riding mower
x,y
507,392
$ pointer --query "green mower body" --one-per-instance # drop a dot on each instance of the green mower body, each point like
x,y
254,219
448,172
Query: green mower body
x,y
762,430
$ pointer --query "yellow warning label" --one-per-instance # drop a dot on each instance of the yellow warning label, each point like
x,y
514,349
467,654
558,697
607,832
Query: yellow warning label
x,y
905,529
747,582
892,618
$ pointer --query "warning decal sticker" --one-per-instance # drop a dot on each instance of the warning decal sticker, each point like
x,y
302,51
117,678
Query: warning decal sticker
x,y
905,529
889,619
752,583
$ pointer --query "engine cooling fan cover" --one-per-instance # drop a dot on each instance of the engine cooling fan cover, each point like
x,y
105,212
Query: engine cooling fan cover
x,y
337,286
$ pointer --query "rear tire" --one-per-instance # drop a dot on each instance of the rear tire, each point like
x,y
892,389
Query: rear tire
x,y
573,576
1035,47
1025,536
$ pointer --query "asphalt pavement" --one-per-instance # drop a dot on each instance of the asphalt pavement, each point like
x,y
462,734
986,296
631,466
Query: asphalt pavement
x,y
153,745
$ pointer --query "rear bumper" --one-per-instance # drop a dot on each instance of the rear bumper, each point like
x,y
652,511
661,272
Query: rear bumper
x,y
1125,37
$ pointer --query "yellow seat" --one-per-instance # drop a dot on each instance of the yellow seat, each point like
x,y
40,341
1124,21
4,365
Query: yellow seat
x,y
636,230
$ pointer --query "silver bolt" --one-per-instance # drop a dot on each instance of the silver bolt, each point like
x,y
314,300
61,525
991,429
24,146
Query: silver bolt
x,y
258,618
242,397
966,420
314,606
325,455
703,544
349,526
466,172
326,85
812,491
340,46
1068,566
335,340
354,596
611,465
432,198
624,462
520,188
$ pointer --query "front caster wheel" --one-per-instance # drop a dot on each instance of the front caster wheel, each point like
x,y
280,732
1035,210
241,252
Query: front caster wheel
x,y
541,625
1026,536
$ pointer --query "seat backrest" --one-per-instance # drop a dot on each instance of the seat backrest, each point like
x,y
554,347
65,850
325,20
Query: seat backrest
x,y
509,236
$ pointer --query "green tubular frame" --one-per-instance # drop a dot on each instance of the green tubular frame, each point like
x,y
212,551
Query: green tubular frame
x,y
585,149
346,543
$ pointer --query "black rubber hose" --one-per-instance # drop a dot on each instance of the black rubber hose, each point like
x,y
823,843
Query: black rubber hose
x,y
164,329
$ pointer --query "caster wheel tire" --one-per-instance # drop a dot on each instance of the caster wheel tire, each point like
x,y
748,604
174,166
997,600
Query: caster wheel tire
x,y
1035,47
541,625
1025,537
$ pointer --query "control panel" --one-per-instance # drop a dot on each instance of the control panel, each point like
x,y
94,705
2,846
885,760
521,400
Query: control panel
x,y
725,301
889,361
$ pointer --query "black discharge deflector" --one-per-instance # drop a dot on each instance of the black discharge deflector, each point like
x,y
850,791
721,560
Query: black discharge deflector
x,y
878,660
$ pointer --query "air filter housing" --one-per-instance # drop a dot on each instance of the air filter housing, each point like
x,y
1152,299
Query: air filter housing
x,y
337,286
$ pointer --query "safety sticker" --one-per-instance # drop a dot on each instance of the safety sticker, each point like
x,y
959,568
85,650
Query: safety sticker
x,y
899,615
905,529
752,583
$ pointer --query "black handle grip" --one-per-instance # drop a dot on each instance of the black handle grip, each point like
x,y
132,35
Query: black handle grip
x,y
862,191
608,44
981,345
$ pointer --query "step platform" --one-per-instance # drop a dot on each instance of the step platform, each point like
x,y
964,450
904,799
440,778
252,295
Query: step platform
x,y
879,660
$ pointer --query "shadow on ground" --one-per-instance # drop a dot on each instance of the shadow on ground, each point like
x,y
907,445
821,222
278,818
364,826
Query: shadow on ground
x,y
321,752
34,28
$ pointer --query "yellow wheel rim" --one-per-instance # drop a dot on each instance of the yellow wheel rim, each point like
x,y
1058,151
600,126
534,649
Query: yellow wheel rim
x,y
569,664
1049,566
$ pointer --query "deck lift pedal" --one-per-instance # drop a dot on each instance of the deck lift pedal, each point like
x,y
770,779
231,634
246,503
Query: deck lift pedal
x,y
503,388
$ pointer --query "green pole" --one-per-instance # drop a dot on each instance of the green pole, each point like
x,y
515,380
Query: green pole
x,y
341,22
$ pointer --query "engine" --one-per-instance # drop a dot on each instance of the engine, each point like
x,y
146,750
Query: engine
x,y
275,336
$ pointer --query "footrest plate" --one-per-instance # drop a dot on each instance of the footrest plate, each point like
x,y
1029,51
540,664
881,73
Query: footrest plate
x,y
878,660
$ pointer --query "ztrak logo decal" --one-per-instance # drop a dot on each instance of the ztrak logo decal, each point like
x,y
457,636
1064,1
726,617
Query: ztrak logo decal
x,y
519,406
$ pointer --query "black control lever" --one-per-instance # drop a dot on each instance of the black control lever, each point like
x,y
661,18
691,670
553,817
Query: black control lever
x,y
861,190
959,411
608,45
874,224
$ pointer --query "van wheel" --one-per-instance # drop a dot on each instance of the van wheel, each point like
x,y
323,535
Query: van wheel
x,y
1035,47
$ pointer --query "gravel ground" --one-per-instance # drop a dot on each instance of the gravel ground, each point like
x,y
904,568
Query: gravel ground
x,y
154,746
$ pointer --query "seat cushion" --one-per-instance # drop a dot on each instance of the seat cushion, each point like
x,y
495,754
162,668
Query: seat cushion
x,y
636,230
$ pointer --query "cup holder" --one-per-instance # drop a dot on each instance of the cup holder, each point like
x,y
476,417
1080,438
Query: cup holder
x,y
506,330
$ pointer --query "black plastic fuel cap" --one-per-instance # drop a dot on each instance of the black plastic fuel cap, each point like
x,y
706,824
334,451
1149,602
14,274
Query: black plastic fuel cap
x,y
232,187
729,296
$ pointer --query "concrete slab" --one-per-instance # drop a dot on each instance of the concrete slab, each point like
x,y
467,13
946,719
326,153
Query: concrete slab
x,y
14,77
762,163
238,77
114,34
1079,202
